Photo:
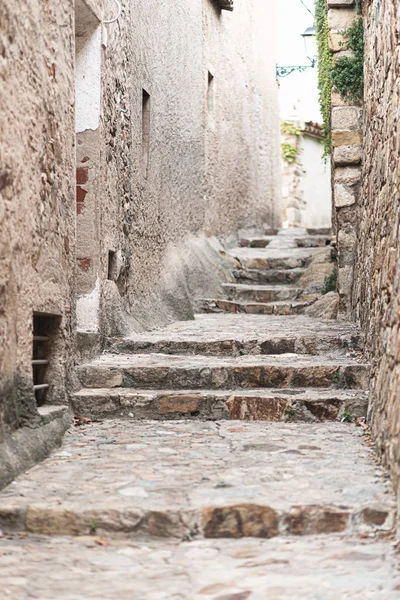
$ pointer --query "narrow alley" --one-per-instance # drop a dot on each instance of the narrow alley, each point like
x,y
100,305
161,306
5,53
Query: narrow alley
x,y
226,458
199,300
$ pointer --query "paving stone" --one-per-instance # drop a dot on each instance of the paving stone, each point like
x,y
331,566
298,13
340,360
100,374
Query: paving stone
x,y
195,479
315,568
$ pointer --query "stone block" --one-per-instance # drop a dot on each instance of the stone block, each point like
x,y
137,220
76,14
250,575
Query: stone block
x,y
340,3
337,41
347,240
341,18
345,280
346,138
349,175
325,308
347,155
344,195
337,100
346,117
239,521
179,404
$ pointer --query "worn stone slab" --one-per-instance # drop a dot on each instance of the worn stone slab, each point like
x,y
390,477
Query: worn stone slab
x,y
232,334
304,241
274,258
260,293
294,405
213,372
315,568
196,479
254,308
269,276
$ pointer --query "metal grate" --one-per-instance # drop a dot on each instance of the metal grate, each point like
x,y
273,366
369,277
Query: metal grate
x,y
44,327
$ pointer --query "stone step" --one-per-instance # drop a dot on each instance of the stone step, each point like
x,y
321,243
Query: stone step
x,y
260,293
160,371
276,258
229,334
307,241
196,479
300,405
269,276
253,308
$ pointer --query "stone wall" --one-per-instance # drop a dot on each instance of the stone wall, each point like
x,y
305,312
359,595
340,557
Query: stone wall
x,y
37,212
346,157
122,147
376,290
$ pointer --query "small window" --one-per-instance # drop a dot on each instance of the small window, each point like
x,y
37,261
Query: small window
x,y
112,266
210,92
145,132
45,331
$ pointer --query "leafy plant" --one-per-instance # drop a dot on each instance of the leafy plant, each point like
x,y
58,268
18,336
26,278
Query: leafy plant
x,y
329,283
348,71
347,417
324,70
289,153
359,6
93,526
291,129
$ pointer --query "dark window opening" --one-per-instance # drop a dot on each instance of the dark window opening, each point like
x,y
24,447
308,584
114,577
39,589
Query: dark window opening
x,y
145,132
45,330
112,266
210,92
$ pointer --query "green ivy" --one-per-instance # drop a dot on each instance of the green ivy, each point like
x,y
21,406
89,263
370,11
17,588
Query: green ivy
x,y
348,71
359,6
330,283
291,129
289,153
324,70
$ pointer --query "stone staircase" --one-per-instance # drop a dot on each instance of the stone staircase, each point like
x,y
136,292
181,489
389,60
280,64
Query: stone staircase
x,y
234,425
267,275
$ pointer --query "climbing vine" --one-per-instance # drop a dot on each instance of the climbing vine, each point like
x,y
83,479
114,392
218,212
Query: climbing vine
x,y
348,71
359,6
324,69
289,152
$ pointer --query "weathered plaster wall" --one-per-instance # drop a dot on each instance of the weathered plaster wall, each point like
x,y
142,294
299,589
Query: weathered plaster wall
x,y
242,122
37,212
213,161
376,291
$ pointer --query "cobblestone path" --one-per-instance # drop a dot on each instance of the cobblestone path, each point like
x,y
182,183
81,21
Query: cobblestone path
x,y
225,459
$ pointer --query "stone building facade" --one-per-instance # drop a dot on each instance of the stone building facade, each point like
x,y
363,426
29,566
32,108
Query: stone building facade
x,y
376,289
131,136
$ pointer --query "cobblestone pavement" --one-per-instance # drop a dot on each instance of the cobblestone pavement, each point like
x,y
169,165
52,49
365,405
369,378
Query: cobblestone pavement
x,y
92,568
194,479
226,468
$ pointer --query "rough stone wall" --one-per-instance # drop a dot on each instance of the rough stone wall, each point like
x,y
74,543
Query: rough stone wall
x,y
85,233
346,158
376,290
37,212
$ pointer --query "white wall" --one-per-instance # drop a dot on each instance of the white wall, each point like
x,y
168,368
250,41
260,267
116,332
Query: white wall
x,y
316,184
